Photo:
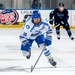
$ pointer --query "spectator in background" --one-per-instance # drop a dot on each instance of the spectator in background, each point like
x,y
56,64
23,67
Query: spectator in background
x,y
2,6
73,5
36,4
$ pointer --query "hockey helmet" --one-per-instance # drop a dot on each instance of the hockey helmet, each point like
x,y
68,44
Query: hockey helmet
x,y
36,14
61,4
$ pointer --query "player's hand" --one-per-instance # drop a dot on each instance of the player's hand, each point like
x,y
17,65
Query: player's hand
x,y
23,20
26,43
51,22
48,40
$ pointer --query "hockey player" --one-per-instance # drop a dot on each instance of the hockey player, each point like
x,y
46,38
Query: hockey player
x,y
33,31
60,16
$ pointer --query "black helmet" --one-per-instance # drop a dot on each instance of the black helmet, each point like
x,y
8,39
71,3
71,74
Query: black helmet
x,y
61,4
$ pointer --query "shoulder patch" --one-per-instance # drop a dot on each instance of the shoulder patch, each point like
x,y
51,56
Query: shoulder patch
x,y
27,27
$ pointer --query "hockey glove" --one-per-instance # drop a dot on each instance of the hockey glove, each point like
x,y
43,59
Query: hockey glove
x,y
26,43
48,40
51,22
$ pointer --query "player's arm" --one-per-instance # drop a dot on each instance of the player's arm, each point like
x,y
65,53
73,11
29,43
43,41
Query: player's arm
x,y
65,18
66,15
48,39
25,34
51,17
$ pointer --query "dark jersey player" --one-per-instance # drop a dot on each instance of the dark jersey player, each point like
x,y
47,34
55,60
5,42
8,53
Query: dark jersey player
x,y
60,16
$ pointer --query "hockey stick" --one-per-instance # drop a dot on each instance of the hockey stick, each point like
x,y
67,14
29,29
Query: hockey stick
x,y
33,66
56,26
53,20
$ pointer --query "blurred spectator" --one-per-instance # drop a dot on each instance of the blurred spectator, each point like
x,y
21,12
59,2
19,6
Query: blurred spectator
x,y
36,4
73,5
2,6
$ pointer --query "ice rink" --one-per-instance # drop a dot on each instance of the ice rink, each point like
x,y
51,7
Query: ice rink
x,y
12,60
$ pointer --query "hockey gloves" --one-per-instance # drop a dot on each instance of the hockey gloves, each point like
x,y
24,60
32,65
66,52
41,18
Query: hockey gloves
x,y
51,22
25,45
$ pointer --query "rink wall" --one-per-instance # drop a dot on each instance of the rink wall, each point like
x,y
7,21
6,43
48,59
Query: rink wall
x,y
15,18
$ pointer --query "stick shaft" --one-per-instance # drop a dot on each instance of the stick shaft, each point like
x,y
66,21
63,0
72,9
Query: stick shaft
x,y
36,61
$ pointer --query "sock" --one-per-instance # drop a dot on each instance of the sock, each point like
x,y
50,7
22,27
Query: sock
x,y
47,53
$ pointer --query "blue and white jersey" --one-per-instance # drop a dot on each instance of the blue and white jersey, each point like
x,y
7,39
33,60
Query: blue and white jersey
x,y
32,31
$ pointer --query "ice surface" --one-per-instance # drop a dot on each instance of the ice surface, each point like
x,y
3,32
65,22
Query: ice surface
x,y
12,61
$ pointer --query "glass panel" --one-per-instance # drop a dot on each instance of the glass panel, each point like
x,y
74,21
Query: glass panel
x,y
37,4
7,3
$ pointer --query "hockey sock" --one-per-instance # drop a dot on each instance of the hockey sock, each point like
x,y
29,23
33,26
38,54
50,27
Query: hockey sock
x,y
69,33
58,32
47,53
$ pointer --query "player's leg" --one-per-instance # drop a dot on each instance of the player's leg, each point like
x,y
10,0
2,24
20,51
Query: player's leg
x,y
40,41
26,49
67,27
57,31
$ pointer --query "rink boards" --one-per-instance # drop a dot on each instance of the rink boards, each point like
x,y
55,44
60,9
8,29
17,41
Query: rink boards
x,y
44,14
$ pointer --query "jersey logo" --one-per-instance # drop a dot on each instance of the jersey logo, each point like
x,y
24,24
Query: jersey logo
x,y
27,26
60,15
25,34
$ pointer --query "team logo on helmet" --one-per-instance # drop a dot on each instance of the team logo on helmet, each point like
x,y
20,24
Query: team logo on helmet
x,y
36,14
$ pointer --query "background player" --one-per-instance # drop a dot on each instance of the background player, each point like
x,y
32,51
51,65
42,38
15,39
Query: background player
x,y
60,15
33,31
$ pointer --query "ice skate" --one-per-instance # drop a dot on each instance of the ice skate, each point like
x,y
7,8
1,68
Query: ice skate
x,y
58,37
52,62
72,38
28,56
